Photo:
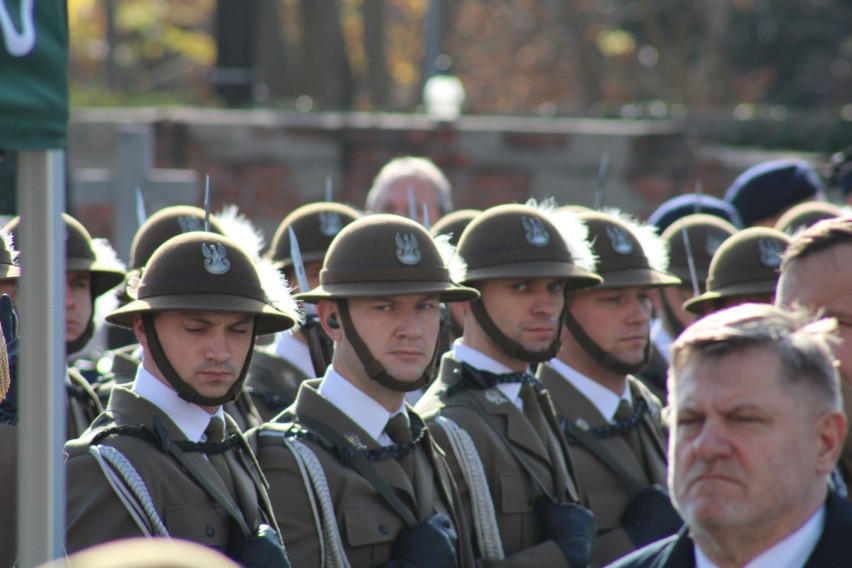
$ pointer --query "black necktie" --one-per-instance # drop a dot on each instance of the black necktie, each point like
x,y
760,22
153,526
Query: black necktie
x,y
532,410
398,429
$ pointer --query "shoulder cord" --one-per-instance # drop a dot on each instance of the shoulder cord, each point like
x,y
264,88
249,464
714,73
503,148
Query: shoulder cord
x,y
349,455
130,489
484,518
332,553
518,457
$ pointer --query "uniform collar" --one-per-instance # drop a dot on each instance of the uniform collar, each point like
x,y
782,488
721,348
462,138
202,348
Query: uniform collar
x,y
479,360
604,399
289,348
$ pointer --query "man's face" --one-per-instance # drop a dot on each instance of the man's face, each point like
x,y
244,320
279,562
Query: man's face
x,y
675,296
524,310
746,451
394,198
823,281
207,349
78,303
400,331
617,319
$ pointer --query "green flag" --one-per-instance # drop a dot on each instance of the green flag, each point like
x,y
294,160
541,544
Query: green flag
x,y
33,74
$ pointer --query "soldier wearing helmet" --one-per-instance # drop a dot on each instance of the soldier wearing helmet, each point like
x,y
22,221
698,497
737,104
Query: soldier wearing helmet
x,y
744,269
91,270
703,234
385,494
119,366
165,459
611,420
489,413
278,370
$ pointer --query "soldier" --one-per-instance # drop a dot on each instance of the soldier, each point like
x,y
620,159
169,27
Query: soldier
x,y
816,274
804,215
354,475
756,428
91,270
276,372
680,206
744,269
165,459
411,176
705,234
490,414
119,366
611,420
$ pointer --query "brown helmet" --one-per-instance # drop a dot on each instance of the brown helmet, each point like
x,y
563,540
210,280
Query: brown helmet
x,y
804,215
384,255
454,224
8,256
705,234
629,254
205,272
746,263
522,241
315,225
164,224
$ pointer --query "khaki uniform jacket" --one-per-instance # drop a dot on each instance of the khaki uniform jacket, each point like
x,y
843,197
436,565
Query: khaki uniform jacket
x,y
123,372
513,490
82,405
606,493
368,525
95,514
272,383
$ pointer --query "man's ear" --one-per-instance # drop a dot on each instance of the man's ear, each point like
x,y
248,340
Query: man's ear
x,y
831,433
329,318
139,331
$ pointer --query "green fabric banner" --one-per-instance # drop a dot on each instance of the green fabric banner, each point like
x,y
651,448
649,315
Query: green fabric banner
x,y
33,74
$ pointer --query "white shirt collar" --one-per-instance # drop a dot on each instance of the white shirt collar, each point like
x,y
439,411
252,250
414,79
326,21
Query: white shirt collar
x,y
661,338
791,552
289,348
362,409
190,418
604,399
479,360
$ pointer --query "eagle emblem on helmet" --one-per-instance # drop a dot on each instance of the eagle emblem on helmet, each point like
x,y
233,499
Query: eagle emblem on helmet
x,y
713,241
188,224
536,234
407,251
330,223
770,252
215,258
619,240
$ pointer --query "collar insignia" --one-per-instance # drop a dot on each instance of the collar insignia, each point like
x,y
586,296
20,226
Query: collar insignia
x,y
215,258
494,396
581,424
407,251
353,439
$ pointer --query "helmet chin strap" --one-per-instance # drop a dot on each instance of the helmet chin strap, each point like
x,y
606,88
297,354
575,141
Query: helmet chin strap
x,y
604,358
669,318
374,369
509,346
185,390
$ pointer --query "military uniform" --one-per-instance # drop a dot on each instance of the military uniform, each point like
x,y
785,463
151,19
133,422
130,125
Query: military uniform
x,y
274,380
518,465
188,511
82,404
367,524
608,492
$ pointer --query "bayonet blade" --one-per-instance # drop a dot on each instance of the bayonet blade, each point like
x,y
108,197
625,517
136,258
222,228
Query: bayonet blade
x,y
141,215
412,205
299,268
207,203
602,171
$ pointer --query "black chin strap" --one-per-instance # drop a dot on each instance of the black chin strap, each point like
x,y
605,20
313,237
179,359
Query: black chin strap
x,y
509,346
604,358
185,390
670,320
374,369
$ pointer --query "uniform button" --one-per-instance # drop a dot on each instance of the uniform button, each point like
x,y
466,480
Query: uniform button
x,y
383,529
210,531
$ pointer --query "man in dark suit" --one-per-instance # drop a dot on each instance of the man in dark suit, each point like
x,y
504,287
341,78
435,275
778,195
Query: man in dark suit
x,y
756,427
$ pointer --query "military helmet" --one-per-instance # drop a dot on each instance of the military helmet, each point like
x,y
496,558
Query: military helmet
x,y
746,263
519,241
454,224
381,255
704,234
806,214
628,254
206,272
165,224
315,226
8,256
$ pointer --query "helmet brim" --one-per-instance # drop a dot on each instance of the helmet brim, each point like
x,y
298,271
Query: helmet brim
x,y
446,291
